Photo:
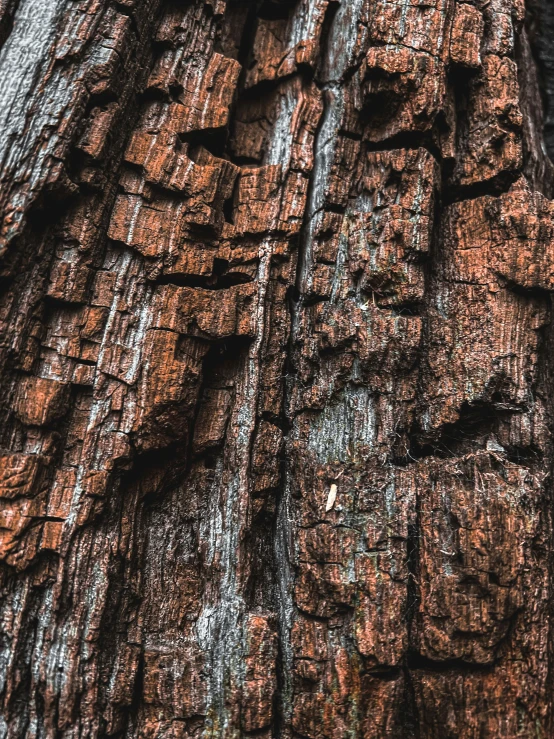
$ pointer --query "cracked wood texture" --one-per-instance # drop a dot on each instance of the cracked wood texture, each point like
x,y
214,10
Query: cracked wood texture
x,y
276,369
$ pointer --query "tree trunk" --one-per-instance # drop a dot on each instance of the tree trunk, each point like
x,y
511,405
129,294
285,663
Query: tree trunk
x,y
276,369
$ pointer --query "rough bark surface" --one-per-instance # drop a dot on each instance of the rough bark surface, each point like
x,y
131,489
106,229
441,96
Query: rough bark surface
x,y
276,369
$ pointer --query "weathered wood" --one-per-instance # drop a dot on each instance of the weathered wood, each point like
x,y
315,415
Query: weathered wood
x,y
276,374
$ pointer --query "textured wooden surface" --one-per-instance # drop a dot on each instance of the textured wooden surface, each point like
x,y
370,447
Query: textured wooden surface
x,y
276,370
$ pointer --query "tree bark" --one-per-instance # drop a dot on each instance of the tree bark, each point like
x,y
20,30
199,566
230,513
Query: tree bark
x,y
276,369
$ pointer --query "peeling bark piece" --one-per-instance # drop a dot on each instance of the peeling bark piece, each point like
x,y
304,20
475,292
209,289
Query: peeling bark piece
x,y
252,137
479,522
212,420
490,142
20,475
257,187
69,282
168,388
467,34
209,313
266,460
499,359
417,26
282,45
403,91
152,229
40,401
172,682
389,229
510,236
260,681
218,81
381,603
94,140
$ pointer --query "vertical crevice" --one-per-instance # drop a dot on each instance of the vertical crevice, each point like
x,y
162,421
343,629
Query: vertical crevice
x,y
535,103
339,30
8,9
540,26
283,531
411,721
137,696
282,704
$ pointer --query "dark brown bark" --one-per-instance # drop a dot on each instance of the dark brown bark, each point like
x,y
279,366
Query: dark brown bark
x,y
276,374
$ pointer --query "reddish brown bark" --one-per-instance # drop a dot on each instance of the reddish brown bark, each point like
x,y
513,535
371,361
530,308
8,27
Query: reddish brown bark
x,y
276,375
